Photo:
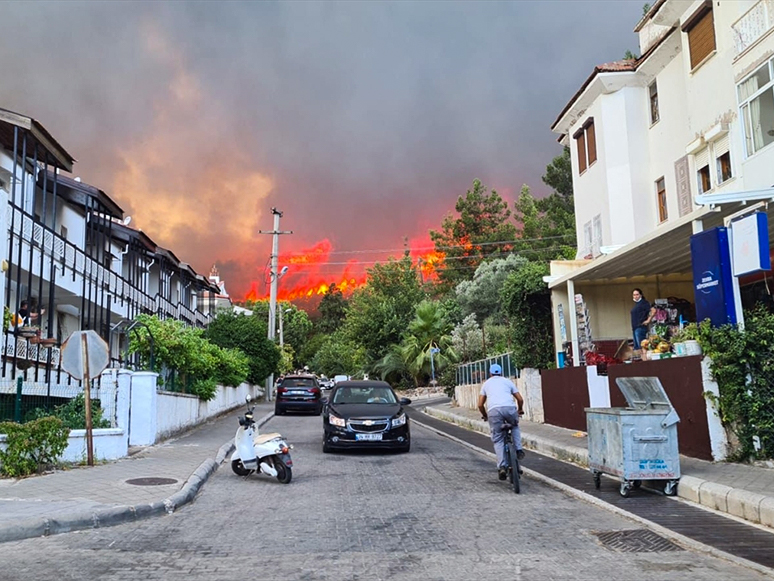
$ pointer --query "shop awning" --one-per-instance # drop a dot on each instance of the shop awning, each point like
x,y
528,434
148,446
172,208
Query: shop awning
x,y
665,251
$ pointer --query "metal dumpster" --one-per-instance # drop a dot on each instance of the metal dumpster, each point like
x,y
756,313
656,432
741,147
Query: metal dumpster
x,y
638,442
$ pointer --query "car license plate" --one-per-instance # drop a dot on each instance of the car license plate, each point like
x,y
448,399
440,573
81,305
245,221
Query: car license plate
x,y
368,437
297,392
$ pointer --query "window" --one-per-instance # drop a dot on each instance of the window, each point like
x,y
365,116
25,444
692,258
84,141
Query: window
x,y
653,91
722,160
597,240
756,103
586,140
587,240
701,34
703,171
661,200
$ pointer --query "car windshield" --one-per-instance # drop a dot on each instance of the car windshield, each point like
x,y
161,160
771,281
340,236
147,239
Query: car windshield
x,y
298,382
364,395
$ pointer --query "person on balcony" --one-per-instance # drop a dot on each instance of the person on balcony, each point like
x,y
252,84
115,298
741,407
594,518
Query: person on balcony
x,y
27,317
641,315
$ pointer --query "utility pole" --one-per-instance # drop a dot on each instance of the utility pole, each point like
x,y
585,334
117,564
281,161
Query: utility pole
x,y
274,277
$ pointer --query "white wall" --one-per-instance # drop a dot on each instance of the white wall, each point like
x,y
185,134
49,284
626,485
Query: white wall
x,y
178,411
108,444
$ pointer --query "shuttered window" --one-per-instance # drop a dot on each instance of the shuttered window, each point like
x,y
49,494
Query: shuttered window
x,y
701,34
591,142
661,200
586,140
581,140
722,159
703,171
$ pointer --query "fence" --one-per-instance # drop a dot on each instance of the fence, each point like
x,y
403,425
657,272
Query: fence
x,y
477,371
19,399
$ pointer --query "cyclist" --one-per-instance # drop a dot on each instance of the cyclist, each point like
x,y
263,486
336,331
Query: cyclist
x,y
497,404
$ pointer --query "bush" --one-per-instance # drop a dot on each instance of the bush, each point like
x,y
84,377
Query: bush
x,y
32,446
743,367
73,414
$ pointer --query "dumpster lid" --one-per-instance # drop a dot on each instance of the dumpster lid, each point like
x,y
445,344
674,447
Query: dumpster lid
x,y
643,392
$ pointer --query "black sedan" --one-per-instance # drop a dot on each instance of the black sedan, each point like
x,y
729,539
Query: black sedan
x,y
300,393
365,414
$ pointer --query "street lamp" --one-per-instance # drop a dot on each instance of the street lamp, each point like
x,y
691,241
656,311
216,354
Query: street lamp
x,y
432,365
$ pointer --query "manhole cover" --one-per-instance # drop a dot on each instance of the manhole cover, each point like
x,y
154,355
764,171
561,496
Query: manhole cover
x,y
151,481
636,541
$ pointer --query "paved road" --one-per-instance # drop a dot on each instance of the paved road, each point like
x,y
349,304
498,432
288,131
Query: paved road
x,y
438,513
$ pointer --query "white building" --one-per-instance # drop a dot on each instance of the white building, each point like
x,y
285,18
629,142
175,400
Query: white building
x,y
661,148
69,254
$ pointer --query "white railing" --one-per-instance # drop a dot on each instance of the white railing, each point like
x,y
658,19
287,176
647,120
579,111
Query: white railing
x,y
752,25
23,349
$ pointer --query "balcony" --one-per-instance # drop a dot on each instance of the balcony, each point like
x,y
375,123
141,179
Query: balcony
x,y
752,25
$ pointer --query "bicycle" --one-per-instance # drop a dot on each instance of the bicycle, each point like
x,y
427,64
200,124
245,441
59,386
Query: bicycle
x,y
511,458
513,468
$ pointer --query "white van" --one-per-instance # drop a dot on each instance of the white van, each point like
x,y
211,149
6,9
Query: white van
x,y
338,378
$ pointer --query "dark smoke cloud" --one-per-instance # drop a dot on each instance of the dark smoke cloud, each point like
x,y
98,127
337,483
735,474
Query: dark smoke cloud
x,y
362,121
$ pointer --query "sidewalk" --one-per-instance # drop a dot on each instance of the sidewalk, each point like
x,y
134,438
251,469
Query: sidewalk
x,y
743,491
89,497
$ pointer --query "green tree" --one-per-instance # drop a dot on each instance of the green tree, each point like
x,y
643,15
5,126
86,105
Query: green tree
x,y
482,229
428,330
338,355
481,295
467,339
547,230
527,303
379,312
248,334
332,310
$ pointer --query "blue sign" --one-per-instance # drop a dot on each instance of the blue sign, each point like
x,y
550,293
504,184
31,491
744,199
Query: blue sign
x,y
712,280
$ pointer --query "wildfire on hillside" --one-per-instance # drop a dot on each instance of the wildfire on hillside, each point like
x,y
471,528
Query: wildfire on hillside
x,y
313,270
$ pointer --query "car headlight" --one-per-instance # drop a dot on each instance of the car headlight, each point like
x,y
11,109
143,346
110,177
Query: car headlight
x,y
399,421
337,421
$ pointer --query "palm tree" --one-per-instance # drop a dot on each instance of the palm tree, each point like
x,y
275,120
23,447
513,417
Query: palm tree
x,y
429,330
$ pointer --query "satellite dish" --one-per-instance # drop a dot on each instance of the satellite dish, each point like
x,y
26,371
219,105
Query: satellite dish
x,y
127,220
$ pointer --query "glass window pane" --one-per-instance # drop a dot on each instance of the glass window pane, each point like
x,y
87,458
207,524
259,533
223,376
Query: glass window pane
x,y
754,83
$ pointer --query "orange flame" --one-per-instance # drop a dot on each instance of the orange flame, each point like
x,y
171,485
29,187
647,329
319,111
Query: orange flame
x,y
306,276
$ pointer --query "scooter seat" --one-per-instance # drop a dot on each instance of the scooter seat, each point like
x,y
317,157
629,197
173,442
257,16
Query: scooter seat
x,y
263,438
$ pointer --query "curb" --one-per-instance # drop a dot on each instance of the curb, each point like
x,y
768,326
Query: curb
x,y
737,502
116,515
663,531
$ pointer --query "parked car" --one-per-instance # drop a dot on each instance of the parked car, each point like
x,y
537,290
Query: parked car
x,y
365,414
299,393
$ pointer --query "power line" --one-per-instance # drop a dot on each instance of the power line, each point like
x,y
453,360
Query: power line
x,y
435,248
445,259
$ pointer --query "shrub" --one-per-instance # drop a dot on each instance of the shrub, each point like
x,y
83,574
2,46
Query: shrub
x,y
32,446
73,414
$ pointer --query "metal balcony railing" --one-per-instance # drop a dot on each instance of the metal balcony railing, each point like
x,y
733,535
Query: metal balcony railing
x,y
68,257
752,25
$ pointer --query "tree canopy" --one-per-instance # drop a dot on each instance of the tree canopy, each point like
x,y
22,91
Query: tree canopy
x,y
482,229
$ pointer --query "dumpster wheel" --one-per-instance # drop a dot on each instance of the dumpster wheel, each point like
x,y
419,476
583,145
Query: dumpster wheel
x,y
670,489
626,488
597,480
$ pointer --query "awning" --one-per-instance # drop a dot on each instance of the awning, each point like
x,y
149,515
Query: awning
x,y
665,251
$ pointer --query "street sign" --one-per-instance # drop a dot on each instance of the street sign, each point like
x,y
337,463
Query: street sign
x,y
85,355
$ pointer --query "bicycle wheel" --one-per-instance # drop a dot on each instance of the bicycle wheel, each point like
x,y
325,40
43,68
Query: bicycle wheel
x,y
514,471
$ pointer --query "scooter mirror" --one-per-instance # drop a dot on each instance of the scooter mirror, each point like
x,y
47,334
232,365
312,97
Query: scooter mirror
x,y
248,399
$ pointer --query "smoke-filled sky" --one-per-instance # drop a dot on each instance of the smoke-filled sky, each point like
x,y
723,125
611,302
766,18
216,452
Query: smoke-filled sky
x,y
362,121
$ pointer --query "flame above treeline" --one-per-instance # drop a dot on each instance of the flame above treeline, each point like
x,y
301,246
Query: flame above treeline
x,y
313,270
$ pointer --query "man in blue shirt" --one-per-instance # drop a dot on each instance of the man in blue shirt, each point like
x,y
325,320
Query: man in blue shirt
x,y
497,403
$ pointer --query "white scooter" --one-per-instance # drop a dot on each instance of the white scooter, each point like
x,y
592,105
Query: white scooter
x,y
266,453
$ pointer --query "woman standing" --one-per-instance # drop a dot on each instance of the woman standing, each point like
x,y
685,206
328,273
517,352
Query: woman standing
x,y
640,318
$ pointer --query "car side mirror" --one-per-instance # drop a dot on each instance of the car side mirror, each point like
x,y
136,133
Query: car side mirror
x,y
405,401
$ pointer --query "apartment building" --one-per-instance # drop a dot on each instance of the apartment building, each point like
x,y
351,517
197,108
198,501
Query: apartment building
x,y
664,146
70,260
